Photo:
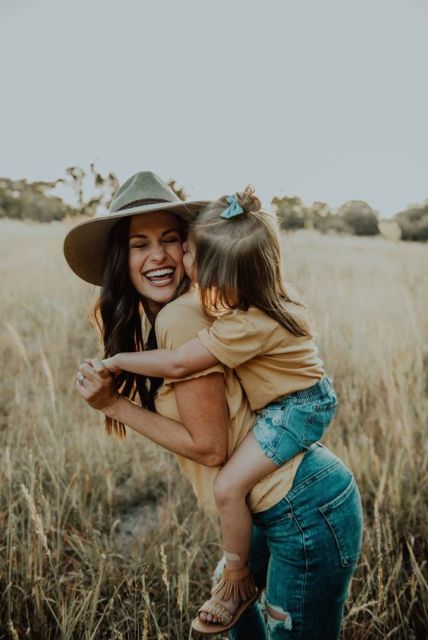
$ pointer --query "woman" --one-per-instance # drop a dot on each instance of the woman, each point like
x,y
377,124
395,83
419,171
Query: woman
x,y
307,514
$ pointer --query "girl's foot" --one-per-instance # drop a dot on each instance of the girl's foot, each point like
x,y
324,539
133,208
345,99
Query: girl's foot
x,y
234,592
211,604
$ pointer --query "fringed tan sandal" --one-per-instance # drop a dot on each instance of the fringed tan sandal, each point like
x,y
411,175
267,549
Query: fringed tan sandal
x,y
234,585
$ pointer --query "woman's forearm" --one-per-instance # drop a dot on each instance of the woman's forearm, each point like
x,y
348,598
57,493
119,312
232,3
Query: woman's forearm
x,y
202,433
163,431
165,363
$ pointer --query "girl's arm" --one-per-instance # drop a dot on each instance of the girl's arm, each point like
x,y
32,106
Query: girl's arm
x,y
203,436
190,358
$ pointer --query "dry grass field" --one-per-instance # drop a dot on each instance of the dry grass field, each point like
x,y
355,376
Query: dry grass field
x,y
101,538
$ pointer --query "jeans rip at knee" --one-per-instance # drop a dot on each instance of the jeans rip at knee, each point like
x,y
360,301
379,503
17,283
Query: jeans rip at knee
x,y
278,621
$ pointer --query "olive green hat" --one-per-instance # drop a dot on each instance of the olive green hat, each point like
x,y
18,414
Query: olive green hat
x,y
85,244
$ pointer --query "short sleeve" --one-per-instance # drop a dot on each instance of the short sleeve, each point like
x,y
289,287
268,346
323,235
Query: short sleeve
x,y
175,325
232,339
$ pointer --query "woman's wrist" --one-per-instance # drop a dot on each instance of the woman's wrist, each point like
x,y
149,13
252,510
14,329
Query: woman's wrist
x,y
110,409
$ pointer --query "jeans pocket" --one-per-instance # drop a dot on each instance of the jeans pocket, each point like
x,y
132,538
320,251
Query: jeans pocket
x,y
318,421
344,517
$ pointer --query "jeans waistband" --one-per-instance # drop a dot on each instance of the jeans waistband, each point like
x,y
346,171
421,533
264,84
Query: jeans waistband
x,y
318,462
322,388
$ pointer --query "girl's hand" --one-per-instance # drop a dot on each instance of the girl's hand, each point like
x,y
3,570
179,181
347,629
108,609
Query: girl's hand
x,y
112,365
96,385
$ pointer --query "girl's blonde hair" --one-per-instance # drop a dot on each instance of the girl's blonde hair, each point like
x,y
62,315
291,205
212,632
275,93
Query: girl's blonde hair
x,y
238,262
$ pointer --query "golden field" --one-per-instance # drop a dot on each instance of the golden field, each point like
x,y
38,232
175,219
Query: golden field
x,y
101,538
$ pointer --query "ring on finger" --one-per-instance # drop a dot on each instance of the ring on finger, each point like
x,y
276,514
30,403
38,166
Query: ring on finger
x,y
80,378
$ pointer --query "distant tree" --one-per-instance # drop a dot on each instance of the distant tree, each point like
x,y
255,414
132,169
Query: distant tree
x,y
101,189
22,200
413,222
336,224
321,209
360,217
321,215
290,211
179,191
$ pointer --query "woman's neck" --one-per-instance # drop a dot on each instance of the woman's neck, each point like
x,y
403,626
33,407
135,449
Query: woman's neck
x,y
151,310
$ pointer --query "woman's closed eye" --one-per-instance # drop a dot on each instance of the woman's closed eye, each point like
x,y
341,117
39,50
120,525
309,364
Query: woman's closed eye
x,y
167,239
142,245
171,240
139,245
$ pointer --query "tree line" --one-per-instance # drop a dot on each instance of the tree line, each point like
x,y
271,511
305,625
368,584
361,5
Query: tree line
x,y
354,217
91,191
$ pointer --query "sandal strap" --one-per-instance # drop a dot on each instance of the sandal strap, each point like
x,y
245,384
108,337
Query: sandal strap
x,y
216,609
236,574
236,585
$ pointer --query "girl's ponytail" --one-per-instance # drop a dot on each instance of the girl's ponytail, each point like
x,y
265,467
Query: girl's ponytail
x,y
248,200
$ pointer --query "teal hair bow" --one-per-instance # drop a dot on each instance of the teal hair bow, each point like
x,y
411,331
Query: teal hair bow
x,y
234,209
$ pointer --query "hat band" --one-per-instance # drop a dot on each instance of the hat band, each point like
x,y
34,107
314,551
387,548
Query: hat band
x,y
139,203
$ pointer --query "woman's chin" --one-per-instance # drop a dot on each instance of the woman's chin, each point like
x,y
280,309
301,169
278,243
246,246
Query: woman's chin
x,y
160,294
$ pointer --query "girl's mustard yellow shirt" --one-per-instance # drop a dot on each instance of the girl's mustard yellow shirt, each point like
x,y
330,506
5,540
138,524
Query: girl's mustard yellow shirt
x,y
178,322
268,359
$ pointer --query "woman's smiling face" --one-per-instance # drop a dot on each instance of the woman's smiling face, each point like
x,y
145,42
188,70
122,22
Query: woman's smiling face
x,y
155,257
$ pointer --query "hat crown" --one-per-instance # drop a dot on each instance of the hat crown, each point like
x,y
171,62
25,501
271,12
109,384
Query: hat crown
x,y
142,186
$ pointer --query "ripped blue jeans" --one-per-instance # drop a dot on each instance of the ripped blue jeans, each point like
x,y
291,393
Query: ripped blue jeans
x,y
304,552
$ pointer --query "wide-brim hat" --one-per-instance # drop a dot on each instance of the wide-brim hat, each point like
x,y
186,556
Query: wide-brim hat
x,y
85,244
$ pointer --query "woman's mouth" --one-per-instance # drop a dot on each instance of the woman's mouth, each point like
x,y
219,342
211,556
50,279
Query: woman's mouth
x,y
160,277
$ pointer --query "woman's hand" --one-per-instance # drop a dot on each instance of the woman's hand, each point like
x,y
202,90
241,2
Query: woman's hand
x,y
96,385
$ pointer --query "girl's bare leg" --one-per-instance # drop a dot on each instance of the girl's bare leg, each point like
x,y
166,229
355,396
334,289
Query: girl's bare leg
x,y
241,472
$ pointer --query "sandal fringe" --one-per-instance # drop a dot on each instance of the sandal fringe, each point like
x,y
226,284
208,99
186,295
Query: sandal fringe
x,y
236,585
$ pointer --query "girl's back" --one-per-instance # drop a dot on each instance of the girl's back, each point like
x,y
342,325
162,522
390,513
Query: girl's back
x,y
269,360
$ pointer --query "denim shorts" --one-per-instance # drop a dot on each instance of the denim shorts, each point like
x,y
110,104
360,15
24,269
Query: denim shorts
x,y
293,423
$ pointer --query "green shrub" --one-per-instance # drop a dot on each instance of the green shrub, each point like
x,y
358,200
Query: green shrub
x,y
360,217
413,222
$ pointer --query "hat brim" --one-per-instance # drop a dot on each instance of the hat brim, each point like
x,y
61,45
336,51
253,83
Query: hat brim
x,y
86,243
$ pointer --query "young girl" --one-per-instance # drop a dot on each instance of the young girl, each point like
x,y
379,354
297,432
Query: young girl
x,y
233,255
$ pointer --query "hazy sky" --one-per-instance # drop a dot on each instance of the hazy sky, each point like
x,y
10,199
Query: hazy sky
x,y
325,99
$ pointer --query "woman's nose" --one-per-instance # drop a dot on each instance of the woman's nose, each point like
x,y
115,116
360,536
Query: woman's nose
x,y
158,252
